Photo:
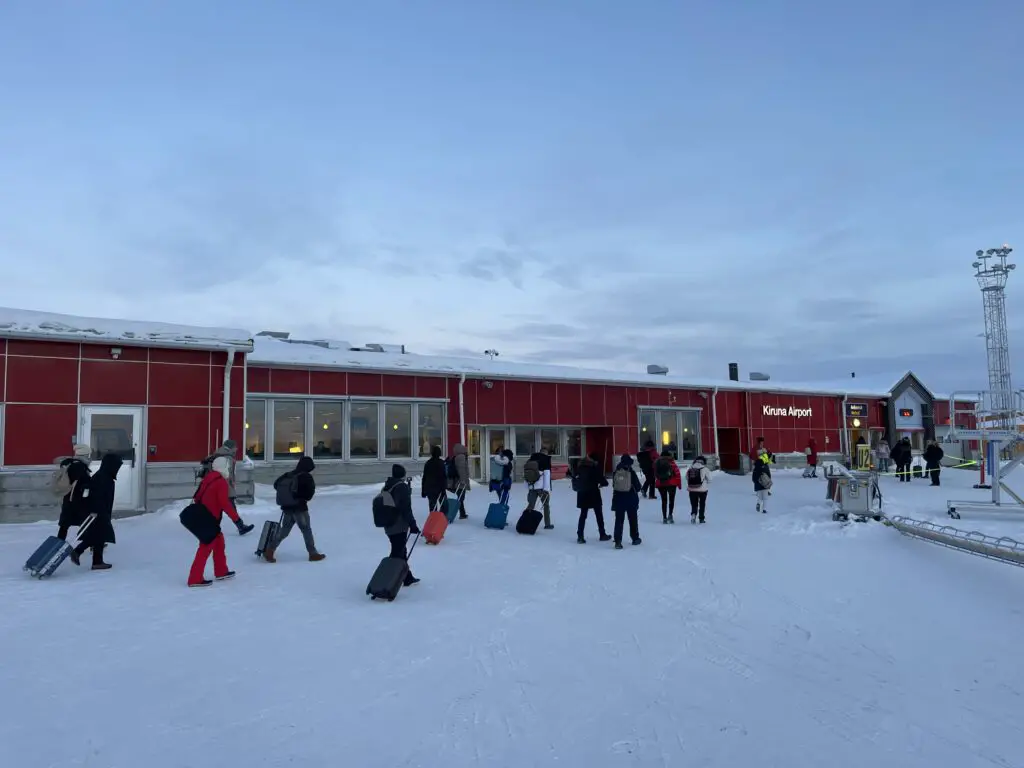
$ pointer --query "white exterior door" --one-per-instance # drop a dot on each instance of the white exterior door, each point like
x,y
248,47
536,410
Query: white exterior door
x,y
115,429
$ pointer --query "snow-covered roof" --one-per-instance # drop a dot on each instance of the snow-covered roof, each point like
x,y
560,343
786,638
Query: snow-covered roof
x,y
272,352
29,324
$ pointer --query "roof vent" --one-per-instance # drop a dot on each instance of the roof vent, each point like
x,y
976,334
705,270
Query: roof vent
x,y
283,335
657,370
758,376
394,349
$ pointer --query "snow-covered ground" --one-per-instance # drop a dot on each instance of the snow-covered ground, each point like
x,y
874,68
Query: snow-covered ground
x,y
756,640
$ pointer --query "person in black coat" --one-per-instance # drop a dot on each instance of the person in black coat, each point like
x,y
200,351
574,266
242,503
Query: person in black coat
x,y
398,532
434,486
626,504
902,455
933,456
73,505
100,502
297,512
589,480
646,457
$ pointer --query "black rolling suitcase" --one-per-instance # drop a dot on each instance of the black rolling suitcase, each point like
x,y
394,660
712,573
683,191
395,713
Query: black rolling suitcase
x,y
52,552
529,521
270,530
386,581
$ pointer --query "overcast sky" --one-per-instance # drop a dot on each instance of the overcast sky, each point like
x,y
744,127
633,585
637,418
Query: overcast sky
x,y
795,185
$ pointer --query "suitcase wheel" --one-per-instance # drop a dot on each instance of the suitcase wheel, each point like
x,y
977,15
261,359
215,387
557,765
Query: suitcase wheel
x,y
391,599
373,597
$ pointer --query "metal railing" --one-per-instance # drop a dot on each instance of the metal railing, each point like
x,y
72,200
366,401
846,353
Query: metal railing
x,y
1002,548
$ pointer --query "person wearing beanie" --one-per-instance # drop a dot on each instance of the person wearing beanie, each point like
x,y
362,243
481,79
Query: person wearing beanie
x,y
299,490
228,451
698,480
213,496
626,490
405,523
73,505
434,486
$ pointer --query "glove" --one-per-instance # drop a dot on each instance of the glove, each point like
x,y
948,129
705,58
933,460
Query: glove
x,y
414,529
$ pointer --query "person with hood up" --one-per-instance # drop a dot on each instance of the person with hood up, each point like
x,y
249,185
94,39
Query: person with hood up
x,y
100,502
434,486
227,450
626,503
698,480
668,480
762,476
589,480
902,454
461,485
933,456
214,495
542,488
398,532
74,507
302,487
811,451
504,461
882,451
646,457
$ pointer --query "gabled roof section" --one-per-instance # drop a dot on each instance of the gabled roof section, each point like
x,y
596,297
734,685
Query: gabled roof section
x,y
47,326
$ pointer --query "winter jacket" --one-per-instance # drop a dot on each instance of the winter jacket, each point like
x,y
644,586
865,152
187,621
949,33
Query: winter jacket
x,y
101,501
705,478
215,494
901,453
544,465
434,482
305,484
74,505
883,449
589,482
461,467
402,495
627,501
507,464
933,456
812,454
760,472
646,458
675,480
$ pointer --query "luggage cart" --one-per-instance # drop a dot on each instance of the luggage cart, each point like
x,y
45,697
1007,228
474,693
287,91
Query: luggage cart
x,y
857,496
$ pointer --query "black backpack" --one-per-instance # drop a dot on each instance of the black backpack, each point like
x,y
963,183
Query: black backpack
x,y
385,512
531,472
694,478
287,488
663,469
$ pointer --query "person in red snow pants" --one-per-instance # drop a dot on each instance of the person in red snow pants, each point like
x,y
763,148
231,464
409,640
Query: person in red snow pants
x,y
213,494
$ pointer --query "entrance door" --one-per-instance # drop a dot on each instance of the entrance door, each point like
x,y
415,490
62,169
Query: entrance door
x,y
116,430
729,449
474,439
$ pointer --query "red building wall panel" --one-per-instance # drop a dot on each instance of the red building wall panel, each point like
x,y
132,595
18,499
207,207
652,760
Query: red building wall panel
x,y
544,397
180,356
592,398
328,383
289,381
179,434
616,409
102,352
42,380
398,385
113,382
215,435
469,392
18,347
490,403
365,384
259,380
171,384
37,434
518,402
3,376
570,404
432,386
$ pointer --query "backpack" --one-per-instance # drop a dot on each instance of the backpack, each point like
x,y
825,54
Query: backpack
x,y
450,472
663,469
287,487
385,512
765,481
694,477
622,480
531,472
60,483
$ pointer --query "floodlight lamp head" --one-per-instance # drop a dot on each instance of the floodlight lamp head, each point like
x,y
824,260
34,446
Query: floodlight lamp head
x,y
979,254
990,251
976,265
1011,266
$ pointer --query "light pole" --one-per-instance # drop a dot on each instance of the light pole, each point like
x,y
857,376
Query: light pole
x,y
991,272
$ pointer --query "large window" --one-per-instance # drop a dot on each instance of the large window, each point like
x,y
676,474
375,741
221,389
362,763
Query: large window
x,y
289,428
669,435
328,429
256,429
526,441
649,428
690,436
430,431
397,431
363,440
549,442
574,443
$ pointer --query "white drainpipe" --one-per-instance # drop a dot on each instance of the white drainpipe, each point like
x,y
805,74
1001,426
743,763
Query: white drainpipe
x,y
844,437
714,422
227,397
462,410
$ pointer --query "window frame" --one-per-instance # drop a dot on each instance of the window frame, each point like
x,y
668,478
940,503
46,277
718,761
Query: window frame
x,y
312,431
417,455
273,428
383,430
348,430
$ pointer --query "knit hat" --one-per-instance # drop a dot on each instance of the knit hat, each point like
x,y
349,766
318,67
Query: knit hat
x,y
82,451
397,471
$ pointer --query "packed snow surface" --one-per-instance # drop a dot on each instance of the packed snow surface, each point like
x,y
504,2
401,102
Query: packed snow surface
x,y
756,640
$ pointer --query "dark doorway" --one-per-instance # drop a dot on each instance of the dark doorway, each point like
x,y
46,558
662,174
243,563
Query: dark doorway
x,y
599,442
729,450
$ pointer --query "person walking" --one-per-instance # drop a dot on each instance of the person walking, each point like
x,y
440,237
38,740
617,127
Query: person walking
x,y
762,476
227,451
74,506
645,458
668,480
626,489
434,485
698,479
811,451
295,490
883,455
902,455
214,495
933,456
100,503
540,488
461,485
405,522
589,479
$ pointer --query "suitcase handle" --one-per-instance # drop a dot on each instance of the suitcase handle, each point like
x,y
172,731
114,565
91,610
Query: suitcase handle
x,y
413,544
89,520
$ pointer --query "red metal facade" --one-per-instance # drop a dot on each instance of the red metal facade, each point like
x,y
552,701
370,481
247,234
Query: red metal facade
x,y
181,389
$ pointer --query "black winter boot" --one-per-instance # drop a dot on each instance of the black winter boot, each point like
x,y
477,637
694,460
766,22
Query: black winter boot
x,y
242,527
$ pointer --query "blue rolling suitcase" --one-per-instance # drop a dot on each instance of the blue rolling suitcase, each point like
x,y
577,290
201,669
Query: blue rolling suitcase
x,y
51,553
452,509
497,516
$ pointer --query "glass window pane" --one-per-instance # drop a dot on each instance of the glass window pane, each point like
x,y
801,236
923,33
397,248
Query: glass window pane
x,y
669,437
549,442
526,441
574,443
648,428
430,431
363,439
496,438
691,434
397,430
256,429
112,433
473,440
289,428
327,429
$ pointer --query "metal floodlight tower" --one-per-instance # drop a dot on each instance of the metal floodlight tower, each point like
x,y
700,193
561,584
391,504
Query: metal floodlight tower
x,y
991,272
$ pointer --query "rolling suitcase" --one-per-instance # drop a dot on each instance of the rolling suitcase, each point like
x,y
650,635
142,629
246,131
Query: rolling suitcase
x,y
268,534
437,523
453,507
529,521
497,516
387,580
52,552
